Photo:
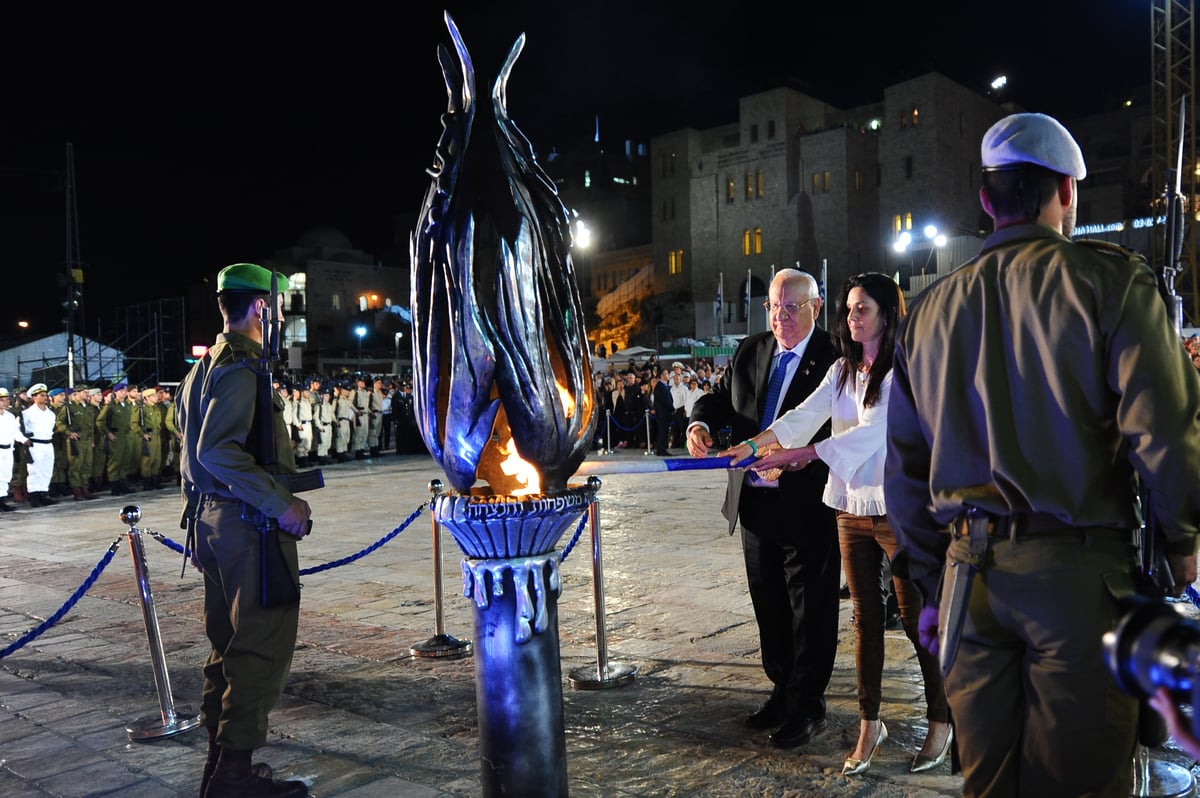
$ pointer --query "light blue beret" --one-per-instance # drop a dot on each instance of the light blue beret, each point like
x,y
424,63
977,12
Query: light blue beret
x,y
1037,139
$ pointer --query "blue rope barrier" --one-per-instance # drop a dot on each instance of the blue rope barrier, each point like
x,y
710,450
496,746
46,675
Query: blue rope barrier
x,y
37,631
166,541
636,426
575,538
404,525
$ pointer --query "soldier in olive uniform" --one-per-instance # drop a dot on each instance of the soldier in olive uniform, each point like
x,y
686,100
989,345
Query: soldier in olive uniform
x,y
20,473
76,426
224,484
170,436
150,419
58,480
116,421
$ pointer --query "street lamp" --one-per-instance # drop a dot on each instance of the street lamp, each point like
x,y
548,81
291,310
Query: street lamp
x,y
933,239
360,331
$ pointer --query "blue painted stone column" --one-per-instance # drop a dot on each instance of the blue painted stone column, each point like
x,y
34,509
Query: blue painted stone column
x,y
511,574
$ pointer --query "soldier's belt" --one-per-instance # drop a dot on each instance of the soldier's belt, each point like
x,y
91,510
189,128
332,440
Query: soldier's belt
x,y
5,445
40,440
1030,525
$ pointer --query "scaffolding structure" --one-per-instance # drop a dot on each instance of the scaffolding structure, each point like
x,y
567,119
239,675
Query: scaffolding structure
x,y
1172,93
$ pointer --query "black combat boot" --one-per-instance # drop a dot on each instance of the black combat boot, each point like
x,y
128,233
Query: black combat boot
x,y
235,777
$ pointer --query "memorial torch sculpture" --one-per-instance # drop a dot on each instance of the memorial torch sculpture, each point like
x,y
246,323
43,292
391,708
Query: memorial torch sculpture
x,y
504,396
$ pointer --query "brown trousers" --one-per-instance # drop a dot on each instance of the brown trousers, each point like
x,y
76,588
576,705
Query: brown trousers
x,y
864,541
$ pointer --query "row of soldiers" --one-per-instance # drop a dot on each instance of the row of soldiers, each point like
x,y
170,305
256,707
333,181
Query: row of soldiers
x,y
121,439
342,421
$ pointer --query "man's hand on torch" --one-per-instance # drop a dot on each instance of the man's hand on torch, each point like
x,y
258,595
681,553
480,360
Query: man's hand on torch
x,y
698,441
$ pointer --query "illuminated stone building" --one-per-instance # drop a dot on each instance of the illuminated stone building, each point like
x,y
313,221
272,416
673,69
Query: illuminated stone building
x,y
798,182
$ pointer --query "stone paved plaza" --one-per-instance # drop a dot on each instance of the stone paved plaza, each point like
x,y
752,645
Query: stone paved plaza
x,y
363,718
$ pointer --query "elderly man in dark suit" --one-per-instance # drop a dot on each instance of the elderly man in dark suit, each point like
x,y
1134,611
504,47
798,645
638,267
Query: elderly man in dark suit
x,y
789,536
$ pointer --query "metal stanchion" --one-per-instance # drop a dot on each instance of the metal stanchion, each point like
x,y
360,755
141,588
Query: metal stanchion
x,y
441,644
169,721
605,674
608,448
649,450
1155,778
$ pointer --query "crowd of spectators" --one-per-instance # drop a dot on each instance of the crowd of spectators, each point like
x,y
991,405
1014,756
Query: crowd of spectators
x,y
1192,345
628,418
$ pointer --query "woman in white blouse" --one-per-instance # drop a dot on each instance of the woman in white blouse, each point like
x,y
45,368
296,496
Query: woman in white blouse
x,y
854,396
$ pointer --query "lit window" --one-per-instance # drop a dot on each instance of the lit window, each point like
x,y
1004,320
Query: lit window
x,y
827,181
908,221
337,301
587,178
749,186
761,179
816,182
362,303
758,241
730,189
858,180
916,116
746,241
896,221
675,261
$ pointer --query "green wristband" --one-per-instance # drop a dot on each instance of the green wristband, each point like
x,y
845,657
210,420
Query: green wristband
x,y
753,447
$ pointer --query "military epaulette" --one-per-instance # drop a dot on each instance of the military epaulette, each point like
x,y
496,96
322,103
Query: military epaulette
x,y
1109,248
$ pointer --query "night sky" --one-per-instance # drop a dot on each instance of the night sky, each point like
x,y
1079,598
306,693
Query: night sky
x,y
202,137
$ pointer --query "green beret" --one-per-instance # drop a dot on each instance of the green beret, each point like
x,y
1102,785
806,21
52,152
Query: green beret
x,y
248,277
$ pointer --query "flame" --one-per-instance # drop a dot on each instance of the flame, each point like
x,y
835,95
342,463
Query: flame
x,y
568,401
519,471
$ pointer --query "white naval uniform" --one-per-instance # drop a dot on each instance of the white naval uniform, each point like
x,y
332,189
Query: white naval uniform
x,y
10,436
39,426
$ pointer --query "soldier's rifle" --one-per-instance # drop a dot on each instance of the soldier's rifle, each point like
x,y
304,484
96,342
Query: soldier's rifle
x,y
277,587
1156,570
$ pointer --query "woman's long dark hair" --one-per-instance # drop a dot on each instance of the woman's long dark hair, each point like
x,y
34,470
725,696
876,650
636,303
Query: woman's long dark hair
x,y
887,295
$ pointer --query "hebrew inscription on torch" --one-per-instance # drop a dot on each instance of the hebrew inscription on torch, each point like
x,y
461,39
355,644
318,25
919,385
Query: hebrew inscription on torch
x,y
503,386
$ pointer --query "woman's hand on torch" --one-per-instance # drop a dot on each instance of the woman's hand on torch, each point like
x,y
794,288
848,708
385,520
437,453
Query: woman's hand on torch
x,y
784,459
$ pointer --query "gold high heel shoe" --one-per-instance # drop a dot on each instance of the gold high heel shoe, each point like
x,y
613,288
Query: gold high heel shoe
x,y
921,762
853,767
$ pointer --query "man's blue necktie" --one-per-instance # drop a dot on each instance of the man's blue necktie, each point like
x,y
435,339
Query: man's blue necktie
x,y
774,388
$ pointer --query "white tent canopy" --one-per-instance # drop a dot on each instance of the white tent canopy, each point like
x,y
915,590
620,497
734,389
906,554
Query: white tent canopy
x,y
633,353
19,358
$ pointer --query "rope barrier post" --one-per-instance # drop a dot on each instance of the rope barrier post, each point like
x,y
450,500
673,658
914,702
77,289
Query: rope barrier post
x,y
168,722
605,674
608,448
441,645
648,448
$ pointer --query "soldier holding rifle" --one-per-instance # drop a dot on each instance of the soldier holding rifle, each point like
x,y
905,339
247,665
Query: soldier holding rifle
x,y
1029,387
239,500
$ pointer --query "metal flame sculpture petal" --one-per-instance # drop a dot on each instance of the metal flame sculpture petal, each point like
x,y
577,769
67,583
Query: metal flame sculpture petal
x,y
499,342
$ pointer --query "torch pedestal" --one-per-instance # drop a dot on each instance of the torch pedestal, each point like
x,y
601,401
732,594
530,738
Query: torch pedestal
x,y
512,576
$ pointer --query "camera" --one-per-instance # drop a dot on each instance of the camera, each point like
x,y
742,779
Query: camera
x,y
1154,645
